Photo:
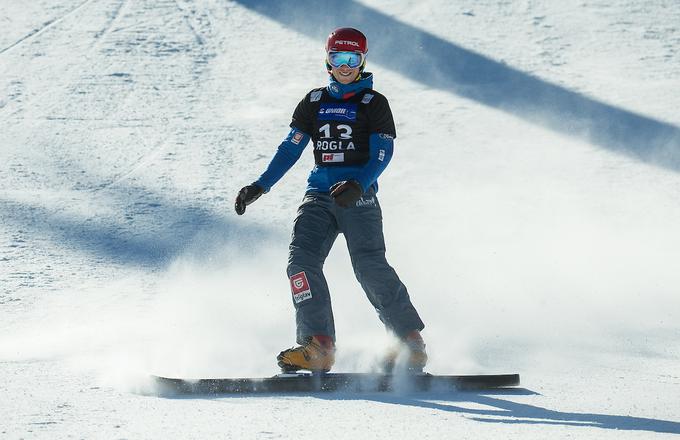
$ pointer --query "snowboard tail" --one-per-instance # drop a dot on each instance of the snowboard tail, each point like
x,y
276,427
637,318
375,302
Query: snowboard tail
x,y
353,382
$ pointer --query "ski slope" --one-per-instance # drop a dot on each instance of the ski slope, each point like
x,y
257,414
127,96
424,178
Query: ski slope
x,y
532,208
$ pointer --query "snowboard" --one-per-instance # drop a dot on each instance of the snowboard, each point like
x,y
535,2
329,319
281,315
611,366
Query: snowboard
x,y
301,382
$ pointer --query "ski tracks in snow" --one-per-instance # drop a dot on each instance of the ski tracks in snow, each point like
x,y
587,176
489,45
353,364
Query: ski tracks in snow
x,y
116,13
99,78
45,25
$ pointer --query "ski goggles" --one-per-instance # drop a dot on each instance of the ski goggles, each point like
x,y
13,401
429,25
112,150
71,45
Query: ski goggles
x,y
350,59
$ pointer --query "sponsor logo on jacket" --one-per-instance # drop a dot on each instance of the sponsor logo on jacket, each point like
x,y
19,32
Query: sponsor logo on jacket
x,y
297,137
338,112
332,157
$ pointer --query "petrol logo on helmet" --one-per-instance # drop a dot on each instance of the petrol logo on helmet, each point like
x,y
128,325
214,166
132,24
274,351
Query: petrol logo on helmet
x,y
350,43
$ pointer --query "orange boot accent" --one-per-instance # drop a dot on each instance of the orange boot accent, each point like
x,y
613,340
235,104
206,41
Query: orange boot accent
x,y
316,354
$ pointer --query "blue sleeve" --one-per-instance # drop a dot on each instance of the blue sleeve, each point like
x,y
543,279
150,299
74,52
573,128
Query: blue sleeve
x,y
287,154
381,147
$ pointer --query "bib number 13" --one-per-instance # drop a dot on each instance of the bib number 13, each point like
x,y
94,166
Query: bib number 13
x,y
345,131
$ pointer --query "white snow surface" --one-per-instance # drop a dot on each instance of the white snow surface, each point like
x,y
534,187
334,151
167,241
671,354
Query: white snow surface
x,y
532,208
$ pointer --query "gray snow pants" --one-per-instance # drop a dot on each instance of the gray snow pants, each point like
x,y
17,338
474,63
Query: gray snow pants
x,y
318,223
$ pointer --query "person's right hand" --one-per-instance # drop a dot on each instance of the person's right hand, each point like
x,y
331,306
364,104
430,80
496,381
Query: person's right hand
x,y
246,196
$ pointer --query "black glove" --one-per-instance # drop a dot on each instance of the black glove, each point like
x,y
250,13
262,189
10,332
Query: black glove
x,y
346,193
246,196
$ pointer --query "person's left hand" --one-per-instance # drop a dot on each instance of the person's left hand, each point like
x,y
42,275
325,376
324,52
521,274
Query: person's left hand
x,y
346,193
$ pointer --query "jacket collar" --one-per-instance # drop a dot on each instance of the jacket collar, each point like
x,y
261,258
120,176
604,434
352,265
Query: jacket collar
x,y
345,91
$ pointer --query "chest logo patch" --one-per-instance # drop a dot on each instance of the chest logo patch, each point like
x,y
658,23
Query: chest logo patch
x,y
367,98
315,96
338,112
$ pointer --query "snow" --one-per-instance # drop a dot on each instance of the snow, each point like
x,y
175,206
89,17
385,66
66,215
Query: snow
x,y
531,209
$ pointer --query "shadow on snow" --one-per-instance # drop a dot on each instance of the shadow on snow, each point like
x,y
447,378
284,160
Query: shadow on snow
x,y
498,410
151,232
437,63
505,411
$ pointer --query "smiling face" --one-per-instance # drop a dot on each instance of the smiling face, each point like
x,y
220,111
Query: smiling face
x,y
345,74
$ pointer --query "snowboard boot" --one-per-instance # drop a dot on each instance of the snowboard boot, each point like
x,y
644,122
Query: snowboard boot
x,y
316,354
416,356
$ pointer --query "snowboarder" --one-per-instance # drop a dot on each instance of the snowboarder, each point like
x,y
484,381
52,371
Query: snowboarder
x,y
352,130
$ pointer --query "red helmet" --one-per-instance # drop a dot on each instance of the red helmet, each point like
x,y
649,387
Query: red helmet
x,y
347,40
